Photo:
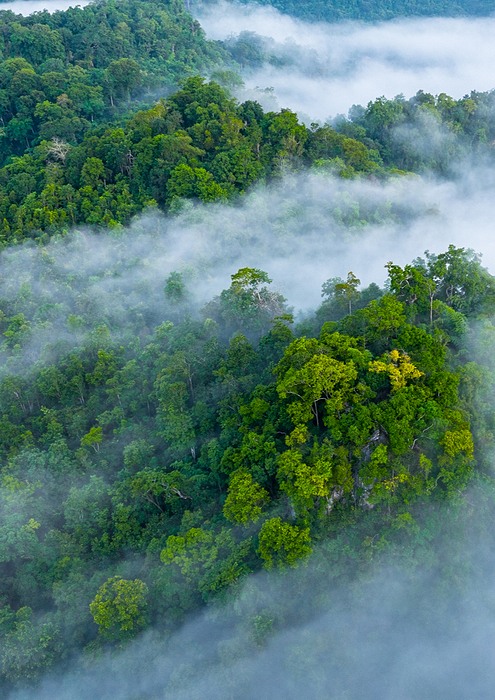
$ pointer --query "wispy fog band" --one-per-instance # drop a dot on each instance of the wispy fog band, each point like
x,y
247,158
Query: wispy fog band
x,y
417,629
337,65
27,7
302,230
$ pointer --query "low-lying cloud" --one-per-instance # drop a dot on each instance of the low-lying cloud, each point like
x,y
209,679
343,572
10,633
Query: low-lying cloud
x,y
27,7
401,631
321,70
302,230
333,66
420,628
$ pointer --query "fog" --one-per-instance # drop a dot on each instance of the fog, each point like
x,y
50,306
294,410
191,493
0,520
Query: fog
x,y
418,624
302,230
321,70
27,7
330,67
413,629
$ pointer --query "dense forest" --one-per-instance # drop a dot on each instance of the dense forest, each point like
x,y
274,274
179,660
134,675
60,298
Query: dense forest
x,y
76,150
159,448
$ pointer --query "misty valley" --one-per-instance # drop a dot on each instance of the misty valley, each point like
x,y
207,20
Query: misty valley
x,y
247,371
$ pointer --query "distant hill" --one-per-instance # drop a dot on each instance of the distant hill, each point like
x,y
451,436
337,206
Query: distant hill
x,y
378,9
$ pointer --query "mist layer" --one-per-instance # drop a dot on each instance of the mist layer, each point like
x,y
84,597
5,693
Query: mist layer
x,y
326,68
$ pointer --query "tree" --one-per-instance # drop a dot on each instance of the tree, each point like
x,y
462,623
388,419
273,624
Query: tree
x,y
173,417
175,289
189,182
193,552
93,438
57,149
248,305
348,290
176,294
461,281
159,488
86,511
308,375
124,76
455,278
286,137
210,561
411,285
399,368
30,647
120,607
93,174
245,499
313,481
282,544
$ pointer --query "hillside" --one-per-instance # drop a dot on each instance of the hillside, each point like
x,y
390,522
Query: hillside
x,y
213,484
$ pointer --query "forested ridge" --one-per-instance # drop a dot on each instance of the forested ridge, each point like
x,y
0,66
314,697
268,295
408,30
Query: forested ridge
x,y
158,448
144,476
76,150
201,144
336,10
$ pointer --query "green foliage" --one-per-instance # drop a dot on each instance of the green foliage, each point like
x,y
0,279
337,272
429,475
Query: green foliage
x,y
282,544
206,560
208,454
248,305
93,438
82,145
314,377
201,445
192,552
70,157
315,481
245,499
119,607
195,145
399,368
29,648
